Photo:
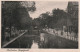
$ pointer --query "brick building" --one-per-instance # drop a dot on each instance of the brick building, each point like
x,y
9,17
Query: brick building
x,y
72,10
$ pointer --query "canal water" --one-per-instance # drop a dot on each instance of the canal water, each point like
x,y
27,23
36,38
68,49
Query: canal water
x,y
42,40
24,41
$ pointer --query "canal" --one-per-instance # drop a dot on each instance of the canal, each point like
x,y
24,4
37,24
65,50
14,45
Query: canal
x,y
42,40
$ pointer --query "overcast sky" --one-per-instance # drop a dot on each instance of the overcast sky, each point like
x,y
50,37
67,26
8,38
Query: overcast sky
x,y
44,6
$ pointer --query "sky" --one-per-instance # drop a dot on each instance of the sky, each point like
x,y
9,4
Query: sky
x,y
44,6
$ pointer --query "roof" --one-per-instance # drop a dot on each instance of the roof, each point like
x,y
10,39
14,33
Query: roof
x,y
75,3
72,3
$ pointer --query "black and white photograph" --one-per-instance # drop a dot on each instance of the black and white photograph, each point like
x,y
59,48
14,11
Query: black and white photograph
x,y
39,24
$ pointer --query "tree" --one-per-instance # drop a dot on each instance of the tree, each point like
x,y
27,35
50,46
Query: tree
x,y
43,20
59,14
30,5
15,14
7,14
12,11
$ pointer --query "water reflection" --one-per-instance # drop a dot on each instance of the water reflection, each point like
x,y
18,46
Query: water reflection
x,y
42,41
22,42
34,45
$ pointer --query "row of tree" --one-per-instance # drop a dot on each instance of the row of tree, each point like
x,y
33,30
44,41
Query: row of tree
x,y
45,19
15,14
58,19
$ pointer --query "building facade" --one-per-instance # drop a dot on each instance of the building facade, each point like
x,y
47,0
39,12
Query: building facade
x,y
72,10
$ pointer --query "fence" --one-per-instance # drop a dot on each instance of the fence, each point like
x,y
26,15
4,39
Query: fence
x,y
71,36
